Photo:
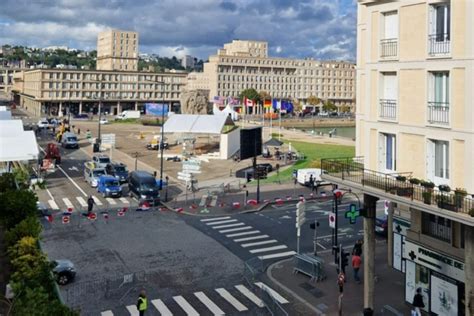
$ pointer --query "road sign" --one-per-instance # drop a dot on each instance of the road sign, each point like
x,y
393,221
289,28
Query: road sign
x,y
184,176
195,162
332,220
352,213
66,219
191,167
108,139
300,214
92,216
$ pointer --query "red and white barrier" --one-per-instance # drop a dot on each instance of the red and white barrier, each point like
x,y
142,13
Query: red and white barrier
x,y
92,216
179,210
66,219
252,202
236,205
279,201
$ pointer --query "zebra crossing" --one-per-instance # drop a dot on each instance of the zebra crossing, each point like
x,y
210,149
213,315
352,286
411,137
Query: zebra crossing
x,y
219,301
249,238
79,202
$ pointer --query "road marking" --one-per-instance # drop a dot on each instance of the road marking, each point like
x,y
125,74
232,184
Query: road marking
x,y
235,229
321,245
53,205
81,201
214,219
185,305
268,249
68,203
107,313
251,238
222,222
111,201
243,234
250,295
161,307
132,309
265,242
326,236
232,300
124,200
73,182
277,255
272,292
96,200
228,225
209,304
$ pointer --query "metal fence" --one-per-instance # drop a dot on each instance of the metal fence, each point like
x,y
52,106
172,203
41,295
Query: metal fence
x,y
439,43
389,47
438,112
388,109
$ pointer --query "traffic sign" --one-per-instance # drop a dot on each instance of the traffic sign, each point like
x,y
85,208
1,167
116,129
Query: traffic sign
x,y
191,167
92,216
66,219
108,139
332,220
300,213
184,176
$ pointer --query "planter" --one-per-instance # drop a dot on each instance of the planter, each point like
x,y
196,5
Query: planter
x,y
459,200
426,197
405,192
447,206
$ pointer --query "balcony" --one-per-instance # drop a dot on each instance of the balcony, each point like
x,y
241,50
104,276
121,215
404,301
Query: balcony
x,y
389,48
395,187
438,113
439,44
388,109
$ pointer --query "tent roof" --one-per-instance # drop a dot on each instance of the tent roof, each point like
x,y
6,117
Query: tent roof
x,y
273,142
20,147
5,115
195,124
9,128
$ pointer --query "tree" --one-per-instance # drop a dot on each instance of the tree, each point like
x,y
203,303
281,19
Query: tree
x,y
30,226
264,95
345,108
37,302
250,94
16,205
328,106
313,100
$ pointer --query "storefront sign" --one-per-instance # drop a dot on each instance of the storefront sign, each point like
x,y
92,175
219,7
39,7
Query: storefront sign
x,y
434,261
444,297
400,226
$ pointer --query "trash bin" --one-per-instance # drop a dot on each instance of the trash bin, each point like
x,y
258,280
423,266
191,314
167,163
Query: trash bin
x,y
96,148
368,311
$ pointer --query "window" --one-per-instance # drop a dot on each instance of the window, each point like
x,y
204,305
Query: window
x,y
438,94
387,152
438,161
389,41
436,226
388,100
440,29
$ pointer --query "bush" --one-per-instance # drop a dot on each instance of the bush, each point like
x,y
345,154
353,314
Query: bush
x,y
444,188
27,227
151,122
401,178
415,181
7,182
16,206
38,302
427,184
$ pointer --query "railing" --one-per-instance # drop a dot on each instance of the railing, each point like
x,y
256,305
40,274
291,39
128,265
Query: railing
x,y
388,109
352,170
439,44
438,113
389,47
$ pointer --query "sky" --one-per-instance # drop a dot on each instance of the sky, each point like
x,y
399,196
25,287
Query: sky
x,y
322,29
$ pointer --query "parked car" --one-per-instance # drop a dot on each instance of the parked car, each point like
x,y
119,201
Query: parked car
x,y
142,185
381,225
63,271
103,121
109,186
92,174
154,146
43,123
100,160
118,170
69,140
82,116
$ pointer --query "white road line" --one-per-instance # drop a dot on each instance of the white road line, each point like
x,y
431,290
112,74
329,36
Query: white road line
x,y
124,200
232,300
273,293
250,295
277,255
161,307
53,205
243,234
132,309
235,229
265,242
96,200
214,219
209,304
81,201
221,222
328,236
107,313
228,225
251,238
73,182
68,203
321,245
111,201
185,305
268,249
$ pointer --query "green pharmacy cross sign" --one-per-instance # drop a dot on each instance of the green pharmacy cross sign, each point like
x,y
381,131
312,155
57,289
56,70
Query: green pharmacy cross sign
x,y
352,213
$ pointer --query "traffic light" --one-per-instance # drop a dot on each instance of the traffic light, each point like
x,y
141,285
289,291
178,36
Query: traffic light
x,y
336,251
345,259
314,224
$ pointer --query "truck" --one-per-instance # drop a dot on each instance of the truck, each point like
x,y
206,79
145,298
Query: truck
x,y
303,175
128,115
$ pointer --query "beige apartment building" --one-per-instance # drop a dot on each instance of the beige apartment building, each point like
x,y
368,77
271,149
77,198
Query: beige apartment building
x,y
245,64
415,119
117,50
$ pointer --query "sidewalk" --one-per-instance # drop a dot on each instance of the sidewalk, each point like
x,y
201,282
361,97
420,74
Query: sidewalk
x,y
389,286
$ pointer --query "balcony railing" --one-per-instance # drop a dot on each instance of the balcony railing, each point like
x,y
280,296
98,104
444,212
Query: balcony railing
x,y
352,170
389,47
438,113
439,44
388,109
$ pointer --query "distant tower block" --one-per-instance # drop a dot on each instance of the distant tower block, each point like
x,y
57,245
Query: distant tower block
x,y
117,50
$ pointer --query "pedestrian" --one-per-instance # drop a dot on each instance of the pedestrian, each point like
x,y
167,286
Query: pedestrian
x,y
78,131
142,303
311,183
90,204
357,250
418,302
356,262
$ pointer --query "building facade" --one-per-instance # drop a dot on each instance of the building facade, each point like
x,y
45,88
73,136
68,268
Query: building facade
x,y
117,50
188,62
245,64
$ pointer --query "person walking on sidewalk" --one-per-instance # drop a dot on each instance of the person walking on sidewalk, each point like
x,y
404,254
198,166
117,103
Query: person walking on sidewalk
x,y
356,262
90,204
357,250
311,183
418,302
142,303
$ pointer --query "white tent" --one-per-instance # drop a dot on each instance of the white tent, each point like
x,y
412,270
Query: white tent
x,y
226,111
5,115
9,128
20,147
195,124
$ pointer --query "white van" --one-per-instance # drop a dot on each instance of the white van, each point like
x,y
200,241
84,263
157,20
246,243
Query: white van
x,y
303,176
92,174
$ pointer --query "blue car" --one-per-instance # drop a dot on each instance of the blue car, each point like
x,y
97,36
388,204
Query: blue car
x,y
109,186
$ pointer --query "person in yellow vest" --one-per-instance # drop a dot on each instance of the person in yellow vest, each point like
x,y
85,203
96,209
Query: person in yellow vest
x,y
142,303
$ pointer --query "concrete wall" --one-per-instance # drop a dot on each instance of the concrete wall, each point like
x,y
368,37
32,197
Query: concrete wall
x,y
230,143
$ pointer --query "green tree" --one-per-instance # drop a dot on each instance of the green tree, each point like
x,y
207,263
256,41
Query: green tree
x,y
37,302
250,94
345,108
7,182
16,205
29,227
313,100
328,106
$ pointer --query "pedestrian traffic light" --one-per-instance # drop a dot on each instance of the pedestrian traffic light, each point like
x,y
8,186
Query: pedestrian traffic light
x,y
336,251
314,224
345,258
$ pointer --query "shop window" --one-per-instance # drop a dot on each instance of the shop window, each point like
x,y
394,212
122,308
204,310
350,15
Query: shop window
x,y
436,227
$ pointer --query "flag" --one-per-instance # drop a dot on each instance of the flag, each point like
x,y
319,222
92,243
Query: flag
x,y
267,103
248,102
276,105
219,100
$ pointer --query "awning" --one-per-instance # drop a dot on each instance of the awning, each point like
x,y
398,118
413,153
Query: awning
x,y
196,124
9,128
5,115
21,147
273,143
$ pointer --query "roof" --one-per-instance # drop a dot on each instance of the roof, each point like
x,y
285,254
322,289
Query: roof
x,y
195,124
10,128
5,115
273,142
20,147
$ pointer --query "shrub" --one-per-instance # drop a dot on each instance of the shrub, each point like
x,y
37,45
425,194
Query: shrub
x,y
460,191
427,184
414,181
151,122
401,178
444,188
29,227
16,206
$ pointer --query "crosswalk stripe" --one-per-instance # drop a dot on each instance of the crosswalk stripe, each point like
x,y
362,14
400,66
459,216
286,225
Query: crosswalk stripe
x,y
132,309
161,307
251,238
268,249
81,201
96,200
214,219
124,200
107,313
209,304
265,242
111,201
228,225
185,305
243,233
273,293
235,229
53,205
68,203
232,300
250,295
277,255
221,222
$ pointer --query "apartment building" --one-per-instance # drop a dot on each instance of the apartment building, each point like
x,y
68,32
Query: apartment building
x,y
117,50
245,64
415,119
6,78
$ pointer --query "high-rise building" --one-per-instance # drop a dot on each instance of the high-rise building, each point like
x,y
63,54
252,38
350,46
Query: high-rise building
x,y
187,62
117,50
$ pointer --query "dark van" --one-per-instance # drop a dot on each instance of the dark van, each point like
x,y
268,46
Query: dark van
x,y
142,185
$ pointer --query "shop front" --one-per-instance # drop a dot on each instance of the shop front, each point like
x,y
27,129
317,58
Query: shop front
x,y
440,277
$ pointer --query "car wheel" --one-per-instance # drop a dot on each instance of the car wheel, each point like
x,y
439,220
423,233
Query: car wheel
x,y
63,279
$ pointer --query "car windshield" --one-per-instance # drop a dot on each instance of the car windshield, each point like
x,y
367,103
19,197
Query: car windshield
x,y
72,139
148,186
120,169
98,173
111,184
104,160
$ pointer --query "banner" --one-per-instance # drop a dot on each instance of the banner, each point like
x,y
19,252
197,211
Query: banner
x,y
267,103
156,109
248,102
218,100
232,101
